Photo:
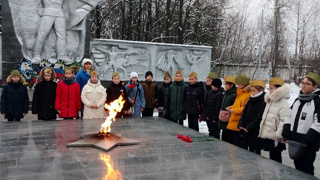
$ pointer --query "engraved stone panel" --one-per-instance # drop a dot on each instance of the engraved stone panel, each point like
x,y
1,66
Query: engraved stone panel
x,y
128,56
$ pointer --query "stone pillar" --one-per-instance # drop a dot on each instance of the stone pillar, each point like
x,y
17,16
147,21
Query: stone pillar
x,y
11,48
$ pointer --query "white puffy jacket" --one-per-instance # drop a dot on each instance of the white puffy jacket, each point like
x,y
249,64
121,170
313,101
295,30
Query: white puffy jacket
x,y
275,112
93,94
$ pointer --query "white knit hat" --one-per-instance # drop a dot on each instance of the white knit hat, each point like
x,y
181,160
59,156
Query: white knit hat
x,y
133,74
85,60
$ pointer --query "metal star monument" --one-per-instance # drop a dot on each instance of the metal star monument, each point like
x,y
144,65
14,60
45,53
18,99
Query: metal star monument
x,y
103,142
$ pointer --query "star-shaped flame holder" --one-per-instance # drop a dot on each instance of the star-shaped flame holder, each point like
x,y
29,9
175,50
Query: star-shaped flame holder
x,y
102,142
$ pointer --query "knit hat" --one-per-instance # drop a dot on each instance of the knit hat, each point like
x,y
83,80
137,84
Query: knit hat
x,y
216,83
314,76
115,74
85,60
148,73
276,81
179,72
167,74
93,73
212,75
230,79
193,74
258,83
133,74
15,73
242,79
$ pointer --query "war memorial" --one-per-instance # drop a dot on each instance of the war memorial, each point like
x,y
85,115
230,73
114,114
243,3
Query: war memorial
x,y
140,148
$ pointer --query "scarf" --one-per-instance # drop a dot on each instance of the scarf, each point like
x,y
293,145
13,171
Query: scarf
x,y
257,95
68,81
308,97
177,80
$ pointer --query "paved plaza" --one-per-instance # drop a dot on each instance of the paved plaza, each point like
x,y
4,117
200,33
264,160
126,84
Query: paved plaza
x,y
34,149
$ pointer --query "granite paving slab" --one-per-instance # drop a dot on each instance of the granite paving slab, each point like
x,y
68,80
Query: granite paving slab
x,y
38,150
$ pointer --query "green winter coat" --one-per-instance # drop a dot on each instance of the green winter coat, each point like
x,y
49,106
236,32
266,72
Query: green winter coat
x,y
228,100
177,99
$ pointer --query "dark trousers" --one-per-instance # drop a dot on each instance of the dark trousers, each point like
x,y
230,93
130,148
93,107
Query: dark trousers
x,y
213,129
193,121
147,112
255,150
276,156
233,137
177,121
14,119
305,162
225,135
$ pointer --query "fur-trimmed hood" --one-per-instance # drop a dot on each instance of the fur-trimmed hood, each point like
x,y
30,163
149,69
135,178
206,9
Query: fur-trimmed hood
x,y
21,80
41,75
279,93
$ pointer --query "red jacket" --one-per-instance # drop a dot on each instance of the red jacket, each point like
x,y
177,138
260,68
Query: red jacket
x,y
68,100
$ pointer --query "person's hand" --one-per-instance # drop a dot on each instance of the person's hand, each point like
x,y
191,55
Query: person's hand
x,y
278,139
229,109
214,121
24,114
304,145
3,114
286,141
141,109
125,112
132,101
245,130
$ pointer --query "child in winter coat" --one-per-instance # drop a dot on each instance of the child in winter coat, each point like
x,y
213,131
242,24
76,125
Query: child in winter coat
x,y
275,112
68,101
228,99
249,122
93,97
208,88
211,108
150,93
115,90
163,97
83,76
44,95
194,101
14,97
303,123
177,99
243,95
135,94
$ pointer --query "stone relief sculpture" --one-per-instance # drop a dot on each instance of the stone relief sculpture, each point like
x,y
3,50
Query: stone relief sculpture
x,y
194,57
168,61
51,29
111,58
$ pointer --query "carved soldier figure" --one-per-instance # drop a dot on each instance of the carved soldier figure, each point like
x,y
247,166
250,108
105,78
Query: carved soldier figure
x,y
52,17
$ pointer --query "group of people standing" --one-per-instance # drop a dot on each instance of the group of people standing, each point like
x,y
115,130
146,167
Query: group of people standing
x,y
241,112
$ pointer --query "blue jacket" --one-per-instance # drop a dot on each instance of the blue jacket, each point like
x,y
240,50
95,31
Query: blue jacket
x,y
82,78
14,100
139,96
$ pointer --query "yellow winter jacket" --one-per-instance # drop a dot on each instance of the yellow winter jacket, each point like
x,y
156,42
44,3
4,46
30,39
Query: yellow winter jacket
x,y
242,98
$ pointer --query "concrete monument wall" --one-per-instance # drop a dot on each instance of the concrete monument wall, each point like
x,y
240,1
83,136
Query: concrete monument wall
x,y
128,56
251,71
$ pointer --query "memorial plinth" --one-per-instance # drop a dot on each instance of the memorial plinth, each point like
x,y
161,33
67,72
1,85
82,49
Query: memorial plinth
x,y
32,150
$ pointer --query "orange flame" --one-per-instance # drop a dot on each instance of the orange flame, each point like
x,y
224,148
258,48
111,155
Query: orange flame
x,y
114,107
111,173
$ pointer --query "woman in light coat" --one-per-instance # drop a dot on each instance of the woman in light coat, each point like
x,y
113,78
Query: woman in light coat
x,y
93,97
276,110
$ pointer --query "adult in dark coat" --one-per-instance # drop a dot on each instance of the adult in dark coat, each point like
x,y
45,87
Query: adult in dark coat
x,y
211,107
14,98
228,99
249,123
113,93
44,96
